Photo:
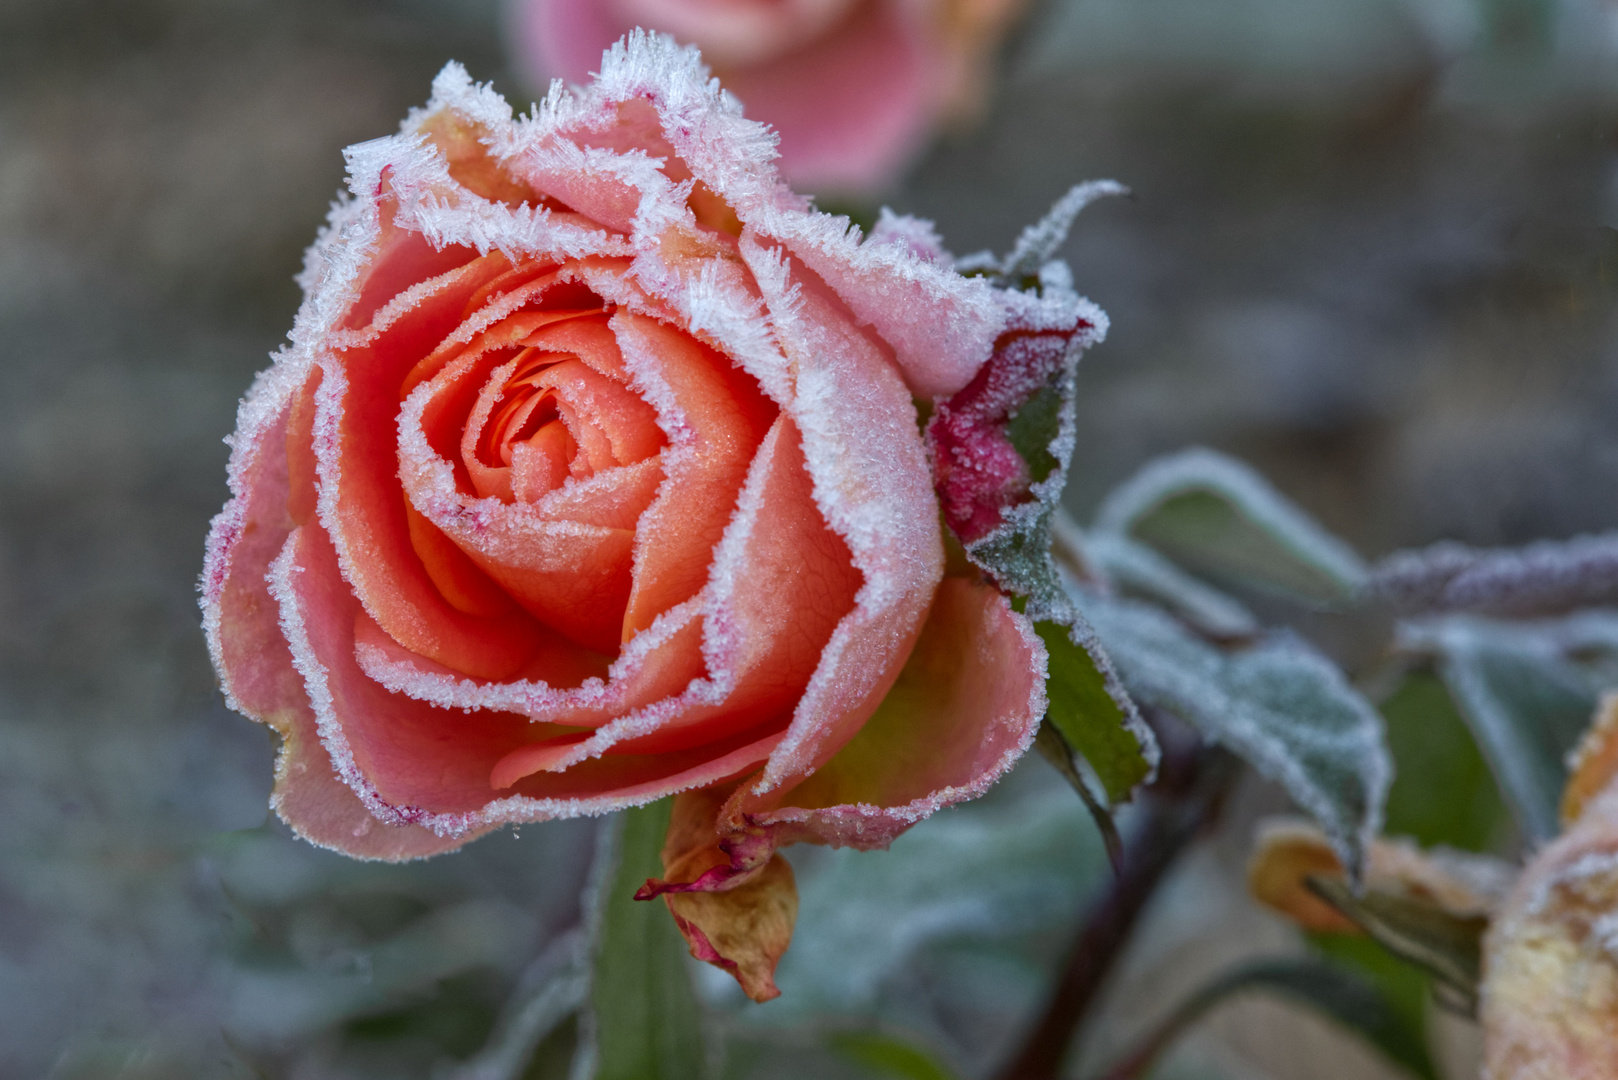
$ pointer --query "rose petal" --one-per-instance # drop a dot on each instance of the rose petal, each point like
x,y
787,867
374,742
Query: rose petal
x,y
360,504
715,419
410,761
572,577
963,710
241,620
865,456
406,759
302,482
403,261
457,577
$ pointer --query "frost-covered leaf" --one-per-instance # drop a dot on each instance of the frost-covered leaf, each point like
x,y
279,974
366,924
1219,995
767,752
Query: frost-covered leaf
x,y
1137,569
1089,718
643,1020
1447,946
1217,517
1542,578
1278,704
1343,995
1527,690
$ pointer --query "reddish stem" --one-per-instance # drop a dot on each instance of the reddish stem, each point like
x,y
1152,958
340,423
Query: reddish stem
x,y
1185,798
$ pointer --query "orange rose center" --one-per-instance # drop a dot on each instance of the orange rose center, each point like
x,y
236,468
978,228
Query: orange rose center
x,y
552,417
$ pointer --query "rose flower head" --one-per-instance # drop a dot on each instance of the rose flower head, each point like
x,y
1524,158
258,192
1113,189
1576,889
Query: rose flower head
x,y
854,87
593,474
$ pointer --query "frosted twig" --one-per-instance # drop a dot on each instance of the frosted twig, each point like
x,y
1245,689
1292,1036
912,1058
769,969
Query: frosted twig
x,y
1542,578
1039,242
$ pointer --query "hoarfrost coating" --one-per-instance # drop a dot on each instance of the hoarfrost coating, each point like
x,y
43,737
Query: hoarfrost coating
x,y
593,474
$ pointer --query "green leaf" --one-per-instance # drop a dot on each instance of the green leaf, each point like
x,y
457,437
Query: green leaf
x,y
1443,792
1343,995
1527,690
1088,718
1281,706
1448,947
643,1020
1217,517
887,1055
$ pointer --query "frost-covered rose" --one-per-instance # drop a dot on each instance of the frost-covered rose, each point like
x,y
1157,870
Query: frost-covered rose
x,y
592,474
854,87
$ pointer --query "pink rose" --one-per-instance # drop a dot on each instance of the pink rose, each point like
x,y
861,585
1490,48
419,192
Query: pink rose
x,y
592,475
853,87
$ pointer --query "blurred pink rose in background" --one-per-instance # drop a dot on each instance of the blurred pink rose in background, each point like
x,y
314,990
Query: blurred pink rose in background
x,y
853,87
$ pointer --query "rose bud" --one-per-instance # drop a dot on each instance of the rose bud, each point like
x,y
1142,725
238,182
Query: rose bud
x,y
853,87
592,474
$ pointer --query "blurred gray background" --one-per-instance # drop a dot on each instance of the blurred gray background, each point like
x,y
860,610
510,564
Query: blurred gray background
x,y
1369,251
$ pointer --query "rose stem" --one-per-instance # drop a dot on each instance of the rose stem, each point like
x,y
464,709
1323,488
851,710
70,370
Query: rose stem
x,y
1185,798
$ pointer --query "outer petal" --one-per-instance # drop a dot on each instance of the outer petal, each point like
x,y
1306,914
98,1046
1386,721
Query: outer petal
x,y
871,483
255,665
410,761
963,710
941,326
